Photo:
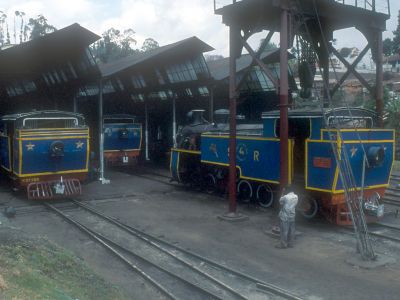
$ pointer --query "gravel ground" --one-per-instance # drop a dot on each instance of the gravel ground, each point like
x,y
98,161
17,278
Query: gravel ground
x,y
314,269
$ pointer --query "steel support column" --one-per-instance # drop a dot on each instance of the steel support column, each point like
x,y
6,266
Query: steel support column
x,y
211,108
75,103
146,130
233,40
379,78
174,120
325,79
101,134
284,96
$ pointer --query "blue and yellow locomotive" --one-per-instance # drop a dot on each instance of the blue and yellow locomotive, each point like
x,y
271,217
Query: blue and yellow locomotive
x,y
46,152
312,164
122,140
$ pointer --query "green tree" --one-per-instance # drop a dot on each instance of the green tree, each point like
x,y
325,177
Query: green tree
x,y
388,47
396,37
392,112
114,45
270,46
3,33
37,27
149,44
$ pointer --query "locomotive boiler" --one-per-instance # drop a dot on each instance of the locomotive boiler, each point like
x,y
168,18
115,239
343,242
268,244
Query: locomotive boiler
x,y
45,152
314,137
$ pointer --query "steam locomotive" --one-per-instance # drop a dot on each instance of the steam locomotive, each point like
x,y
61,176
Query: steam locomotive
x,y
201,158
122,140
45,152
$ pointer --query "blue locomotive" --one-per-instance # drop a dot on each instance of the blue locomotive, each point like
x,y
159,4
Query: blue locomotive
x,y
202,159
122,140
46,152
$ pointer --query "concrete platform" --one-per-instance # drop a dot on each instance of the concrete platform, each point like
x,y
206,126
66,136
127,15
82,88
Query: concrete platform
x,y
381,260
233,217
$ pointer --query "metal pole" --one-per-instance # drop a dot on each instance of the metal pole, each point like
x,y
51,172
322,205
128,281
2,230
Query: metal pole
x,y
211,115
283,96
75,104
325,78
174,120
101,141
146,132
101,133
232,122
379,79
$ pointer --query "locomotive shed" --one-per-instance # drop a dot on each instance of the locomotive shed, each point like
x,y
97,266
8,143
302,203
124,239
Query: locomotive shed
x,y
189,219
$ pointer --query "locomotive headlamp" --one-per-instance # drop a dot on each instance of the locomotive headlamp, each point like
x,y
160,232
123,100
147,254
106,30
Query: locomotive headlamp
x,y
123,133
57,149
375,156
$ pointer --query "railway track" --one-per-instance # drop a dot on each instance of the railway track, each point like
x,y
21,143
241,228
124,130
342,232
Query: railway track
x,y
177,273
385,231
392,194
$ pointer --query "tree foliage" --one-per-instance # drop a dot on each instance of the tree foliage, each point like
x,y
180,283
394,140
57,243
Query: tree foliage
x,y
23,32
270,46
387,47
115,44
4,32
396,37
149,44
37,27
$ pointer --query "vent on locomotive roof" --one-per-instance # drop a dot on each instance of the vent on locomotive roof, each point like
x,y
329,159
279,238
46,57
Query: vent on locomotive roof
x,y
221,116
195,117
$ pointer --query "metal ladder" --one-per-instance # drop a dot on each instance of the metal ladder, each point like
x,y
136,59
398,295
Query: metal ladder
x,y
354,199
352,195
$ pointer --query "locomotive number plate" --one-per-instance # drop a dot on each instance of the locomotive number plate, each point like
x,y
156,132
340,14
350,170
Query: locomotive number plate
x,y
33,179
322,162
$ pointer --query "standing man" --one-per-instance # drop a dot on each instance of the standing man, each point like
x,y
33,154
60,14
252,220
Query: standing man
x,y
287,214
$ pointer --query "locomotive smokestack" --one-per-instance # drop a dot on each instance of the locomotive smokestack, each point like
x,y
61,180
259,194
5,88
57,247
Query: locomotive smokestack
x,y
221,116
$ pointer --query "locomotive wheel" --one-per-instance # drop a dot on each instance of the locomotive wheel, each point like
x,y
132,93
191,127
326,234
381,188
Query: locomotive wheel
x,y
210,183
245,191
195,180
308,207
265,195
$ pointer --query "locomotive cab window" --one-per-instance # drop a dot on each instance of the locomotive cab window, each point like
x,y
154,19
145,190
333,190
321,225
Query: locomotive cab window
x,y
36,123
347,122
119,121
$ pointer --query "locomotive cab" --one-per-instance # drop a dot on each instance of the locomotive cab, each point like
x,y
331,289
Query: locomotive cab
x,y
350,134
122,140
46,152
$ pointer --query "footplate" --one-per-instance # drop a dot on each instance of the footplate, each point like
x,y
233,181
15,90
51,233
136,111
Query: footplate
x,y
54,189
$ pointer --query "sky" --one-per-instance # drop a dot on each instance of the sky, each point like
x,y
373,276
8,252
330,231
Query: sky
x,y
166,21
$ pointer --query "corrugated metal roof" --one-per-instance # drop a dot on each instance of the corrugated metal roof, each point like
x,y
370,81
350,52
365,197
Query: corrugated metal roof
x,y
189,44
219,69
25,57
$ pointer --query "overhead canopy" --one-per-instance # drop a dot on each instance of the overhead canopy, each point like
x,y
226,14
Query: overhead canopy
x,y
43,52
46,73
189,45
